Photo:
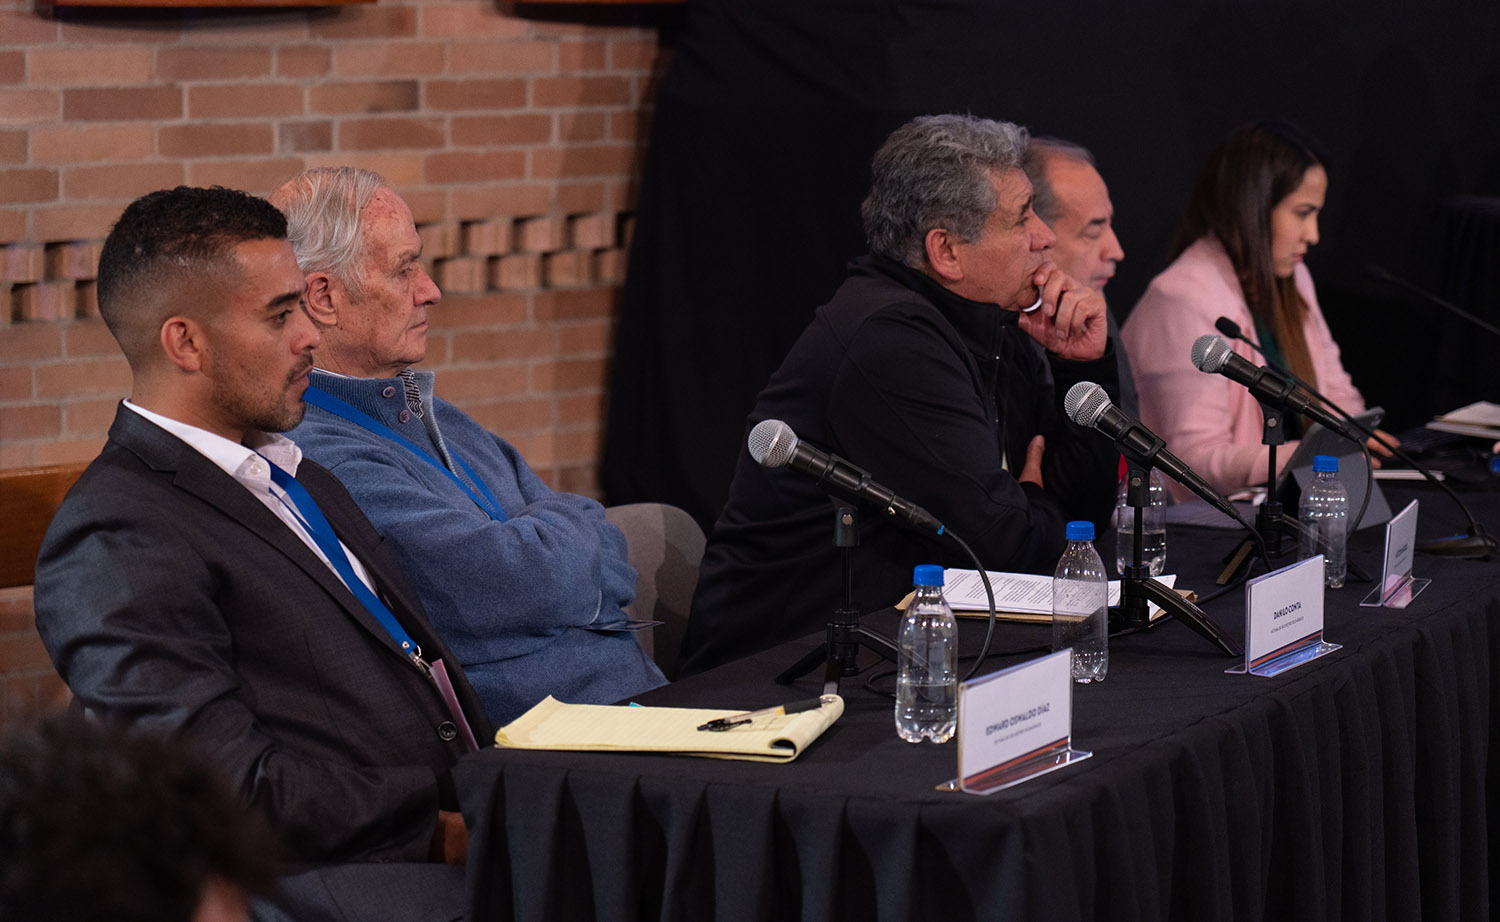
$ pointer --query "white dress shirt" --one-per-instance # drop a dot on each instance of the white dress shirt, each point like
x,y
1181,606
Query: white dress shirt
x,y
247,464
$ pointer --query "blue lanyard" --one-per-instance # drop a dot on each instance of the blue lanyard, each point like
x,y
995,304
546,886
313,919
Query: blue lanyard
x,y
484,499
312,517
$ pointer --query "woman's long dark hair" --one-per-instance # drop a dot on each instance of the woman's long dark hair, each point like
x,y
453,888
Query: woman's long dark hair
x,y
1244,178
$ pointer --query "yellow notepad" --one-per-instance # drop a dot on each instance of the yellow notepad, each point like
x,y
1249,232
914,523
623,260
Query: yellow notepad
x,y
551,724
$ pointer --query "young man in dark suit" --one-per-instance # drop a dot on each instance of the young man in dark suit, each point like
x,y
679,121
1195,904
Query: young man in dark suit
x,y
202,579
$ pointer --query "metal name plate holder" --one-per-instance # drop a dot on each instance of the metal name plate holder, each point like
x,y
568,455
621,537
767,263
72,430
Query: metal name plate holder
x,y
1015,724
1397,588
1284,619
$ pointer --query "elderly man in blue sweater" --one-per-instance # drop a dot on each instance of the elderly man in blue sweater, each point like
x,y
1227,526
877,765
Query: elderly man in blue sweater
x,y
526,585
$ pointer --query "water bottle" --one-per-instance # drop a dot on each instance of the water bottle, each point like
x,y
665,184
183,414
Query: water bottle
x,y
927,680
1080,605
1324,513
1153,528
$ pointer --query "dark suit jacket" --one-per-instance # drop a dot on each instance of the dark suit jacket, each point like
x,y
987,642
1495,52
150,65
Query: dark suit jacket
x,y
171,598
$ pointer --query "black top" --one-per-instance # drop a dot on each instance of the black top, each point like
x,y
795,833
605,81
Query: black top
x,y
937,397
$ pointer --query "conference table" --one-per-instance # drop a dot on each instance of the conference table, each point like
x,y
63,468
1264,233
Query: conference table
x,y
1357,786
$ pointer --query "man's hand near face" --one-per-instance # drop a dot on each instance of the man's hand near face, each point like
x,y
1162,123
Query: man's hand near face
x,y
1071,321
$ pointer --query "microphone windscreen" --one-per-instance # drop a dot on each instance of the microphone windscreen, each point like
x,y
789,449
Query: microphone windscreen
x,y
1227,327
1085,403
1210,352
772,443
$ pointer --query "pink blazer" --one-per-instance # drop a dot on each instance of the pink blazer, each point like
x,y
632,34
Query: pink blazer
x,y
1207,420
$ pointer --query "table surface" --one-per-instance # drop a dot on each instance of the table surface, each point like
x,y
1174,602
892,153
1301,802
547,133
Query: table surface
x,y
1353,786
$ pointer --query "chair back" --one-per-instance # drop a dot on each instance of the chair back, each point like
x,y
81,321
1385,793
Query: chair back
x,y
29,496
665,545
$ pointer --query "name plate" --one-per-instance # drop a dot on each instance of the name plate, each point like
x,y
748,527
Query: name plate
x,y
1284,619
1015,724
1397,588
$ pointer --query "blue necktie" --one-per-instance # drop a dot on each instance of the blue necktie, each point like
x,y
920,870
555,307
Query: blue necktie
x,y
306,509
322,533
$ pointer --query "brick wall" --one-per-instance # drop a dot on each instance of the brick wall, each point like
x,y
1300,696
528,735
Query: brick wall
x,y
516,138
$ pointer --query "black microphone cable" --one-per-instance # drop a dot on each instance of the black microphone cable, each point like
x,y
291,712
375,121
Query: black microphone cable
x,y
1377,272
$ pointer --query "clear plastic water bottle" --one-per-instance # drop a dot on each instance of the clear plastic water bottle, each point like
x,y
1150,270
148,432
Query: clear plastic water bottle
x,y
1080,605
1324,513
927,680
1153,528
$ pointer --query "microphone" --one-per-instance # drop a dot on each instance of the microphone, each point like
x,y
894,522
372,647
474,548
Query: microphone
x,y
773,444
1476,543
1211,354
1232,330
1088,405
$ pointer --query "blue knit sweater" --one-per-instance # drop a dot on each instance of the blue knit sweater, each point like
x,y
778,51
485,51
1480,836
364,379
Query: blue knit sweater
x,y
530,605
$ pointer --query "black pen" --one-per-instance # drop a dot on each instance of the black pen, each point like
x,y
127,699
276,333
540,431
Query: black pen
x,y
724,723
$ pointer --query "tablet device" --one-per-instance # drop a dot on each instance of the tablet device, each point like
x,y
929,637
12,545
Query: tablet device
x,y
1298,472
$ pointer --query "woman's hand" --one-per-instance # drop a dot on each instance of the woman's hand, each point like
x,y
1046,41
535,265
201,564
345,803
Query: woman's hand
x,y
1379,452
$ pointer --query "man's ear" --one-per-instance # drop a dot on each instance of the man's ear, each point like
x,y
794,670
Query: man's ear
x,y
184,341
319,297
942,254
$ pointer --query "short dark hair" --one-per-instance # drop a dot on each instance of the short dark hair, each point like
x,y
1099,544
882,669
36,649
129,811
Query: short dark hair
x,y
169,237
99,824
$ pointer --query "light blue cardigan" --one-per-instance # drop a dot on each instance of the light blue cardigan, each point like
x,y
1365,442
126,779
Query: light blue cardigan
x,y
526,604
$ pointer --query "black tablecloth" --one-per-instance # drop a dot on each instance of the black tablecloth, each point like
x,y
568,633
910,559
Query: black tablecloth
x,y
1355,787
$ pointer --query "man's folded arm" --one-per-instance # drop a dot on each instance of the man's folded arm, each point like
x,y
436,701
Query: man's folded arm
x,y
542,566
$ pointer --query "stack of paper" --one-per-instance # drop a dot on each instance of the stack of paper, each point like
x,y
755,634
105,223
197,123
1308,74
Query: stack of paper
x,y
603,728
1018,596
1479,419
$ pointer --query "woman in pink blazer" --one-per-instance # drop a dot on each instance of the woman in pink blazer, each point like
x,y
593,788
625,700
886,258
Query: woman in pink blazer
x,y
1239,248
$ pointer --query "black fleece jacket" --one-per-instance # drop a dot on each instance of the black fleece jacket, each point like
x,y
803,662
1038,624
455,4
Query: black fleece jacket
x,y
937,397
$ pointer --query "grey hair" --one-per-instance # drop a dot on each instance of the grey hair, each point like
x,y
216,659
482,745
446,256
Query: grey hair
x,y
1044,197
933,172
322,208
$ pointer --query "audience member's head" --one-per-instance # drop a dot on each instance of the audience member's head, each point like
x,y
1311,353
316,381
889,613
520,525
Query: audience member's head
x,y
1259,194
1074,201
202,291
99,825
358,246
949,198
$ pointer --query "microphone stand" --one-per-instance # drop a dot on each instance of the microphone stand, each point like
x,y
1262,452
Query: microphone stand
x,y
1138,588
1270,522
839,651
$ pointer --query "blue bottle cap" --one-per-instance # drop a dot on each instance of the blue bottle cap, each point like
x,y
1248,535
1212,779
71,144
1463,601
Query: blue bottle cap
x,y
1324,464
927,574
1080,531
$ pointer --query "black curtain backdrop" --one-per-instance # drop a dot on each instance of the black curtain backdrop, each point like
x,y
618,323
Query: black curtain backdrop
x,y
766,121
